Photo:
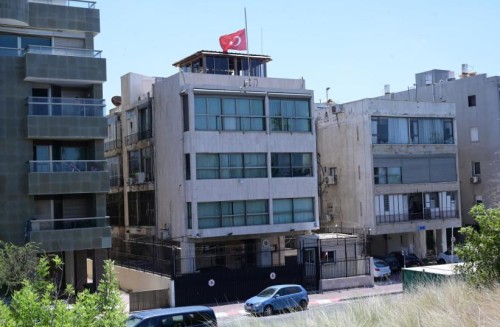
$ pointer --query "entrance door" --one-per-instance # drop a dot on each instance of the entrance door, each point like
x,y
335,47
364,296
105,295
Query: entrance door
x,y
415,206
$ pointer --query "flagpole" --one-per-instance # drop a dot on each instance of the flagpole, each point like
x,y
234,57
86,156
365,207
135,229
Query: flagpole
x,y
246,39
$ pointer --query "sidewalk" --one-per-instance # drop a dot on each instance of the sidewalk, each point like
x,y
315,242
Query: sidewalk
x,y
317,299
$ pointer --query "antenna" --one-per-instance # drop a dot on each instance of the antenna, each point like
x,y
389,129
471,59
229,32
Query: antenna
x,y
327,89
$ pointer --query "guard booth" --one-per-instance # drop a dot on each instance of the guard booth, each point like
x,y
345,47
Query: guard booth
x,y
333,261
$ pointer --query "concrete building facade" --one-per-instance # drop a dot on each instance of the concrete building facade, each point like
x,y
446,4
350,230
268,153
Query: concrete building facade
x,y
53,174
233,160
477,100
390,168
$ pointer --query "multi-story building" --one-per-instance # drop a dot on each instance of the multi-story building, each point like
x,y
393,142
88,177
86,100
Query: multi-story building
x,y
477,102
390,168
53,174
220,162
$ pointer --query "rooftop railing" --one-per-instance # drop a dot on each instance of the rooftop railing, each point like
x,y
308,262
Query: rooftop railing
x,y
81,107
67,166
68,3
66,223
68,52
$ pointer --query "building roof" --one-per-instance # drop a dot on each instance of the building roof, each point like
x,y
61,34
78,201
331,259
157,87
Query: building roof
x,y
202,53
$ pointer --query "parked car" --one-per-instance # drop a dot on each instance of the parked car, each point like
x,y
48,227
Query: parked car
x,y
446,257
408,260
380,269
392,261
277,298
192,316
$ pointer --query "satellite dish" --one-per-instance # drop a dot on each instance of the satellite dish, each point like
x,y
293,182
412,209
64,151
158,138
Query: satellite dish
x,y
116,100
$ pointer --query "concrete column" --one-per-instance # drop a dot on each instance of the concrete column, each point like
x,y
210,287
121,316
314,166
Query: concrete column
x,y
98,266
187,263
80,258
69,268
420,247
444,242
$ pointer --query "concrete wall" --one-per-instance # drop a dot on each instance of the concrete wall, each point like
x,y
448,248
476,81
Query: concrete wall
x,y
63,17
138,281
66,127
345,283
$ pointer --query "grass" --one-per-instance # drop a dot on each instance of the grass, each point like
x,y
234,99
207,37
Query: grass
x,y
449,304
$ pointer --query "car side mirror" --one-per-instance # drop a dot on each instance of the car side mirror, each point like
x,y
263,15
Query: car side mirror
x,y
277,295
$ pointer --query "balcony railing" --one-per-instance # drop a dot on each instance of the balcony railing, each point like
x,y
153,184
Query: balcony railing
x,y
68,3
66,223
10,52
113,144
78,107
67,166
116,181
134,138
68,52
427,214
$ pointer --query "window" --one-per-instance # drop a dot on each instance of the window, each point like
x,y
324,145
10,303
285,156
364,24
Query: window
x,y
296,210
11,44
291,164
232,213
328,256
185,112
386,203
187,162
387,130
387,175
189,215
290,115
230,165
229,114
471,99
476,168
474,134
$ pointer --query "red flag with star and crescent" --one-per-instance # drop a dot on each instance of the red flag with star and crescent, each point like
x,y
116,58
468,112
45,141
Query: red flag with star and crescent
x,y
234,41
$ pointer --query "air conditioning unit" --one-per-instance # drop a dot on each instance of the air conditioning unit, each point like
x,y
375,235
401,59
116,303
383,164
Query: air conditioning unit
x,y
475,179
331,180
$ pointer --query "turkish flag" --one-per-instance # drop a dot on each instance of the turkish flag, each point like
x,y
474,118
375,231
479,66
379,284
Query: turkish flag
x,y
234,41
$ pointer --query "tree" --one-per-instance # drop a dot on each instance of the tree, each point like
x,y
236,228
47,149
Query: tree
x,y
481,250
41,302
17,263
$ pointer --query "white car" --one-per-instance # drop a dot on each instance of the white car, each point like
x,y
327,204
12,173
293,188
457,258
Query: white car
x,y
381,269
446,257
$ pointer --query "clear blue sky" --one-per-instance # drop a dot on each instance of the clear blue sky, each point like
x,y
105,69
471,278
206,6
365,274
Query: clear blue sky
x,y
353,47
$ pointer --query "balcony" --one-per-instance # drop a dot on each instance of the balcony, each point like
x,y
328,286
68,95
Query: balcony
x,y
68,176
56,235
67,3
68,118
64,65
426,214
113,145
135,138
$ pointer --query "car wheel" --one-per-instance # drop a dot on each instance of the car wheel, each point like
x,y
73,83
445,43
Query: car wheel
x,y
268,311
303,305
441,261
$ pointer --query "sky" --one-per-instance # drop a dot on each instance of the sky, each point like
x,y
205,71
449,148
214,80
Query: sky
x,y
353,47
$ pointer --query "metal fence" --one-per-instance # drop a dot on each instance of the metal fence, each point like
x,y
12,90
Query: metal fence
x,y
345,268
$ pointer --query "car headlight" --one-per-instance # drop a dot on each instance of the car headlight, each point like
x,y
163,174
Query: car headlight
x,y
256,305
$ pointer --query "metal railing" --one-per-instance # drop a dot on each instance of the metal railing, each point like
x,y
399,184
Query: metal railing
x,y
346,268
79,107
66,223
68,3
116,181
57,51
134,138
427,214
58,166
112,145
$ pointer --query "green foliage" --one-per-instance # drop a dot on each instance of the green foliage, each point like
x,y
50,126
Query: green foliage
x,y
17,263
40,302
481,250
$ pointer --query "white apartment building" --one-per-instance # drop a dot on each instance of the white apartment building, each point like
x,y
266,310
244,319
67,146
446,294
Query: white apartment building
x,y
390,168
233,160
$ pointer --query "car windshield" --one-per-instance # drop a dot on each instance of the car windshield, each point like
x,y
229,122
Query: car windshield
x,y
132,321
267,292
380,264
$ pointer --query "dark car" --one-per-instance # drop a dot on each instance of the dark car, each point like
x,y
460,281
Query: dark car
x,y
392,261
408,260
192,316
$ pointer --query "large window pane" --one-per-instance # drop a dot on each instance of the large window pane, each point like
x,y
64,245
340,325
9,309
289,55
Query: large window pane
x,y
303,210
207,166
282,211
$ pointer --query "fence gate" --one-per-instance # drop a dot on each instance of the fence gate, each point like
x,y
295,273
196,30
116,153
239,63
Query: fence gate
x,y
227,285
310,274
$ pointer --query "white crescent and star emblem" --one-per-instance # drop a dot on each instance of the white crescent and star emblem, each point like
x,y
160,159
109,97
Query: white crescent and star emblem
x,y
236,41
